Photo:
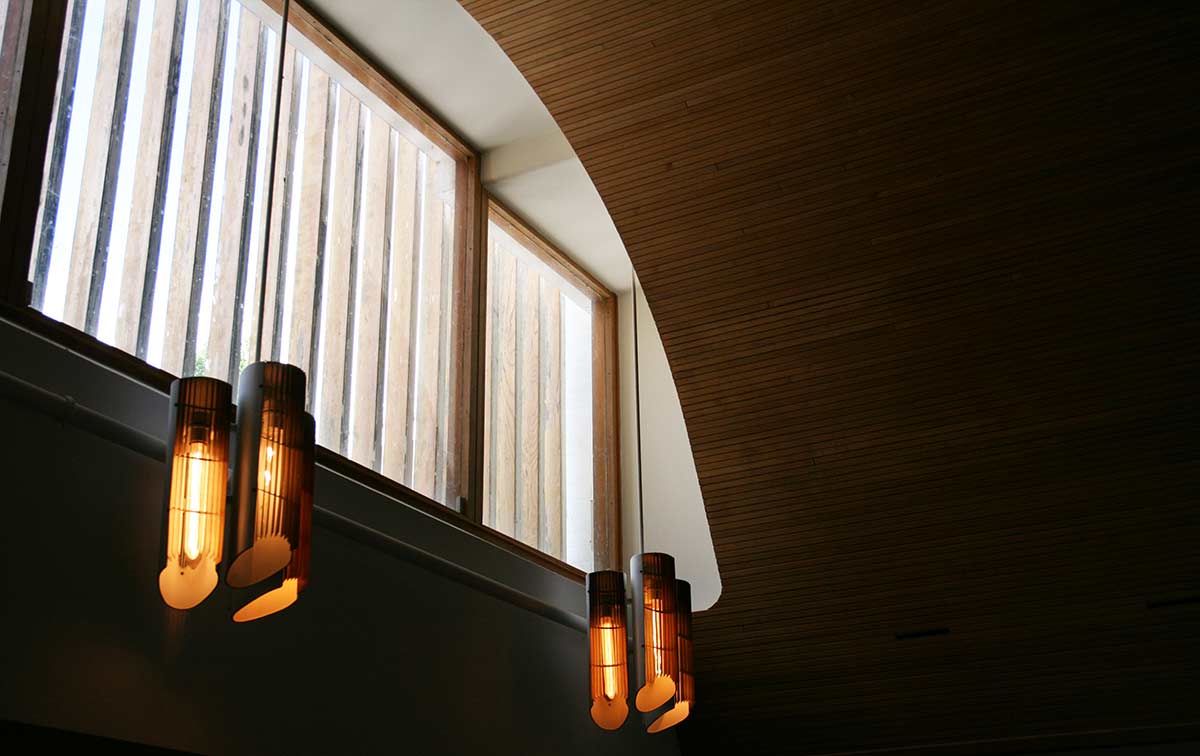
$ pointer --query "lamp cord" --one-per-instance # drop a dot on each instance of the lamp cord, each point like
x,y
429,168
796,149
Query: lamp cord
x,y
262,281
637,400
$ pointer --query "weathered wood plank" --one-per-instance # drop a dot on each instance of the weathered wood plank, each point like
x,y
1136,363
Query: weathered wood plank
x,y
429,336
146,181
337,286
488,514
308,224
210,46
249,268
95,160
370,282
56,160
112,169
233,202
528,402
550,463
281,212
448,356
504,392
352,298
398,309
156,245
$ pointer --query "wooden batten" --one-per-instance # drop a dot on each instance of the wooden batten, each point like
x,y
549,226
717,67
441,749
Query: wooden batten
x,y
334,279
234,212
367,334
149,183
311,206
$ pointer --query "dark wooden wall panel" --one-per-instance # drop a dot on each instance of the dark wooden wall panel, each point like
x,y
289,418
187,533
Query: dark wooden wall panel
x,y
926,275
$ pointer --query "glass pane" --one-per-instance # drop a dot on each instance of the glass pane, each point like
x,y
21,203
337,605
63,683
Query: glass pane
x,y
538,414
153,221
14,23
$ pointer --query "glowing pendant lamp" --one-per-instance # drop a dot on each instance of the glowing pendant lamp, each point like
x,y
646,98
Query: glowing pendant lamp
x,y
273,476
652,575
607,645
654,626
274,462
194,514
685,688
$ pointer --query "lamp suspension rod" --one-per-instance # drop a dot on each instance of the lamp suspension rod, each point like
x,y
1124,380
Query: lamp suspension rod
x,y
637,400
262,281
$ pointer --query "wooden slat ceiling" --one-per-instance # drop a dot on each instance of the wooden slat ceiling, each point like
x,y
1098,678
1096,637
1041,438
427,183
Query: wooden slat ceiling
x,y
926,276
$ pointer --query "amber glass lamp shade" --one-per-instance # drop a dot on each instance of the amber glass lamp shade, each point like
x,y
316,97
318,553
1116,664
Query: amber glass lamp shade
x,y
194,512
281,590
607,644
685,688
654,623
274,467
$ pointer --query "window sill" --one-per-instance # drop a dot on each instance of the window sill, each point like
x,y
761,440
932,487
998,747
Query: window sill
x,y
54,356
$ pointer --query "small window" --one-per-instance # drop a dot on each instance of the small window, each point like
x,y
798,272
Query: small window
x,y
549,407
152,217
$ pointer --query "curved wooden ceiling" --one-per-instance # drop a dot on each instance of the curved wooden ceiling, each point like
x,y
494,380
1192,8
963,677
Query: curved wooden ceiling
x,y
926,276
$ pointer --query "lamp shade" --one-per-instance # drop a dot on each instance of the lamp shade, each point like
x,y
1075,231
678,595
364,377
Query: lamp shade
x,y
607,644
685,688
654,622
274,456
194,511
279,591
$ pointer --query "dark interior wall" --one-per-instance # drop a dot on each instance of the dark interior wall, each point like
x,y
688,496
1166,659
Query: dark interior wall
x,y
380,655
1158,749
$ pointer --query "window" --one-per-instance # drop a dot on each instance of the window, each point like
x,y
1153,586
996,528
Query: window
x,y
151,224
14,25
141,234
550,398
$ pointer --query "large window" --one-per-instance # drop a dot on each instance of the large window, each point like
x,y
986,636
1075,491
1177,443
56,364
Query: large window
x,y
152,222
140,207
549,405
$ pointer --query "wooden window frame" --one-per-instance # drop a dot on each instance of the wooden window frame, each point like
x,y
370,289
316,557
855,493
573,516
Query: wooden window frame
x,y
18,220
606,483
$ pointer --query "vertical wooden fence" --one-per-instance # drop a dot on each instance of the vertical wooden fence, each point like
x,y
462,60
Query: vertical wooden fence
x,y
361,248
525,456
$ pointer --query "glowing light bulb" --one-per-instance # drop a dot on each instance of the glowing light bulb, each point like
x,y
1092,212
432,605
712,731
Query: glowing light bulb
x,y
655,634
609,657
269,452
193,524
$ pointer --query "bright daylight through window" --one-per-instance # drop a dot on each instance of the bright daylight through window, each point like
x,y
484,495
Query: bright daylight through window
x,y
548,400
152,213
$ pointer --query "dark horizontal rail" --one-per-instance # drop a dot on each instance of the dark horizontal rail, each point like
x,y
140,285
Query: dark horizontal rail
x,y
66,409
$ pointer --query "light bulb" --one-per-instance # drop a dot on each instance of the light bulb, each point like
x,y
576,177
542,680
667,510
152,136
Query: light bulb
x,y
193,523
609,657
269,453
655,634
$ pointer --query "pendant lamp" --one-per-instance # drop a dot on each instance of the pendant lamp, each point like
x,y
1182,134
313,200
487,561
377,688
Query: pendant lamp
x,y
274,455
652,576
685,688
655,629
270,526
607,646
661,620
194,512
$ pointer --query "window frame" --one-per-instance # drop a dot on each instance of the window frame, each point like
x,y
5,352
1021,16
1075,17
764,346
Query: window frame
x,y
606,468
18,220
